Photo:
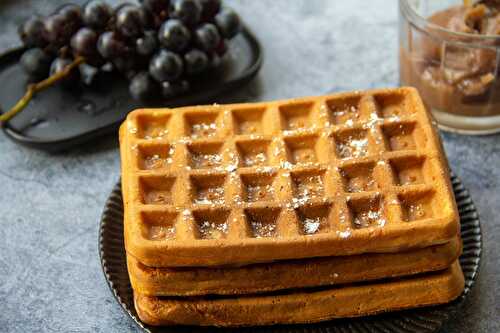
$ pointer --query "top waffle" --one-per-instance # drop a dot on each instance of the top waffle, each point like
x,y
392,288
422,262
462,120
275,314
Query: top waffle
x,y
321,176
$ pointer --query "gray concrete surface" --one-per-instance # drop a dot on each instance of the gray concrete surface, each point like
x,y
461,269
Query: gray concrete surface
x,y
50,275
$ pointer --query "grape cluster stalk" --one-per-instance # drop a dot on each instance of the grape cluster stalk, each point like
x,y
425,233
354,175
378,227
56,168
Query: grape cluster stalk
x,y
159,46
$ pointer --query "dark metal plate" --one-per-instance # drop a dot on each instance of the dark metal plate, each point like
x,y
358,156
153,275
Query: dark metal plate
x,y
59,118
422,320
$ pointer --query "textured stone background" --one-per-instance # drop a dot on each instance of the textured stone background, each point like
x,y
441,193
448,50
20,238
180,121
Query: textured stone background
x,y
50,276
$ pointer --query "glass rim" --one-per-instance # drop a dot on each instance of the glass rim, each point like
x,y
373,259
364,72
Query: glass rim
x,y
422,23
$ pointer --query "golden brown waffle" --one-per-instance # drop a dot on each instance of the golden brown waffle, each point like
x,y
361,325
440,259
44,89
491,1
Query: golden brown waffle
x,y
304,306
290,274
312,177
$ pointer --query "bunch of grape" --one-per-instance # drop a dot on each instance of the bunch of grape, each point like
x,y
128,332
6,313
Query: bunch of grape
x,y
158,45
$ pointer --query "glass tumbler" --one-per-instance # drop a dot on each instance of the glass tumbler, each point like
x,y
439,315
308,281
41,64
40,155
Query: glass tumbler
x,y
455,70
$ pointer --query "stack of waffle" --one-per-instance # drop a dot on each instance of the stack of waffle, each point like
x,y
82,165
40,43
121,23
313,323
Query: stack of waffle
x,y
292,211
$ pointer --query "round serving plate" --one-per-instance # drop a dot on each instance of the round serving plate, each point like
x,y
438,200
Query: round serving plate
x,y
422,320
61,117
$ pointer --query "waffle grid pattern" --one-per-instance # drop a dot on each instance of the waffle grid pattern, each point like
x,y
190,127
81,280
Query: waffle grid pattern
x,y
328,166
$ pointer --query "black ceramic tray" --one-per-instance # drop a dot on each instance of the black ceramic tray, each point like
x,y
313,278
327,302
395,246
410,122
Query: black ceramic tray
x,y
59,118
423,320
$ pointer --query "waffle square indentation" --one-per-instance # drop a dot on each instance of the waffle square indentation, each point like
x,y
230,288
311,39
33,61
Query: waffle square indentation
x,y
253,152
201,125
344,110
205,155
258,187
262,222
408,170
249,121
153,127
314,218
417,206
308,185
352,143
359,177
297,116
211,223
207,189
157,190
302,149
367,212
399,136
392,106
159,225
154,157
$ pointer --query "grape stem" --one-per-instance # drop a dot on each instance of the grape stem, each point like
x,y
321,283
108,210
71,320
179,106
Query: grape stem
x,y
34,88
